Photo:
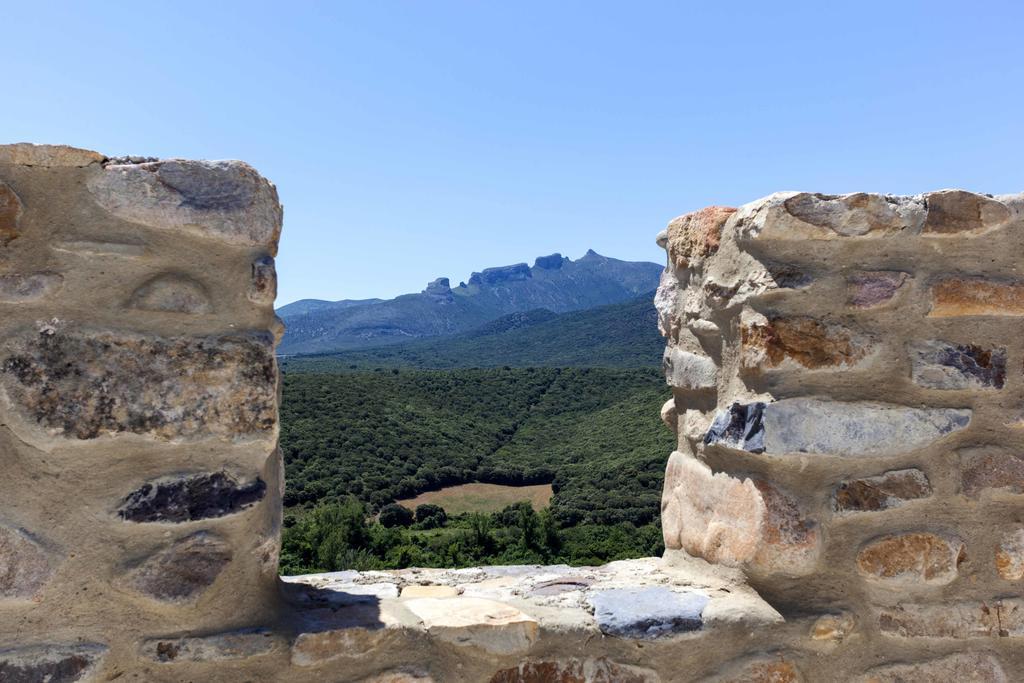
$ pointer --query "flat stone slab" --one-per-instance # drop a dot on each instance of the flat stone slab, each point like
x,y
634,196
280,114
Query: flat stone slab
x,y
647,613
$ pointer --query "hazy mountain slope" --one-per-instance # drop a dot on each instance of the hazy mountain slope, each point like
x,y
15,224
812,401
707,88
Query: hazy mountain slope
x,y
615,335
304,306
554,283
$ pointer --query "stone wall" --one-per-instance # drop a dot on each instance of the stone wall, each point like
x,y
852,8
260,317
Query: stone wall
x,y
847,393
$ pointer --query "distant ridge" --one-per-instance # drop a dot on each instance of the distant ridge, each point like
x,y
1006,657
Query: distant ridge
x,y
554,283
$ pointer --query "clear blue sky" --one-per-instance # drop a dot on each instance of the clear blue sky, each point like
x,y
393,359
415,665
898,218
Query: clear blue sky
x,y
419,139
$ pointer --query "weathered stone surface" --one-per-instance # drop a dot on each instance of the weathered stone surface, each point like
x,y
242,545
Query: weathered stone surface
x,y
685,370
263,286
50,663
188,498
693,236
850,215
429,592
183,571
669,415
739,426
713,516
961,620
592,670
25,565
99,247
647,613
25,154
809,425
1010,556
833,627
805,342
975,296
962,666
883,492
316,647
912,559
665,299
213,648
401,676
772,669
871,288
224,200
992,468
172,293
941,365
28,288
77,384
790,543
491,625
955,212
10,213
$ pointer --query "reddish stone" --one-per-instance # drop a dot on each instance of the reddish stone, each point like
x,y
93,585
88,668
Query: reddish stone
x,y
600,670
765,670
920,558
1010,556
991,468
883,492
790,542
960,296
870,288
696,235
956,211
806,341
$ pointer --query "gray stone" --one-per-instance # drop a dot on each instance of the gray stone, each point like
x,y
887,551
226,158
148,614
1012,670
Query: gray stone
x,y
685,370
189,498
739,426
213,648
50,663
19,288
182,571
263,286
941,365
647,613
171,293
224,200
848,215
76,384
808,425
870,288
25,565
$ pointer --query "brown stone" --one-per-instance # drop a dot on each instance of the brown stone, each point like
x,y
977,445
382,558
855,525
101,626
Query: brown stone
x,y
764,670
25,154
696,235
182,571
809,343
213,648
990,619
172,293
263,285
10,212
917,558
24,565
317,647
594,670
952,212
1010,556
991,468
961,666
833,627
51,663
883,492
871,288
790,542
960,296
77,384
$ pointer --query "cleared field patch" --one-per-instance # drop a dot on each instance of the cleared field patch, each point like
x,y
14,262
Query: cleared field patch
x,y
478,497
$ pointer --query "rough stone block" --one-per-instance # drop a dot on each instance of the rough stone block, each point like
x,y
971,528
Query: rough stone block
x,y
496,627
958,621
172,293
912,559
979,667
10,214
975,296
218,647
796,216
685,370
48,156
833,627
956,212
882,492
801,343
190,498
263,285
665,299
30,288
571,670
25,565
181,572
739,426
316,647
1010,556
942,365
790,542
873,288
68,383
991,469
767,669
696,235
647,613
51,663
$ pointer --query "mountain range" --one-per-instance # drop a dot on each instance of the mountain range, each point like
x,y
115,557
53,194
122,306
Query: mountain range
x,y
493,302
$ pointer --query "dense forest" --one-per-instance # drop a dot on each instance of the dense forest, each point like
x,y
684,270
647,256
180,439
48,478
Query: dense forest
x,y
356,441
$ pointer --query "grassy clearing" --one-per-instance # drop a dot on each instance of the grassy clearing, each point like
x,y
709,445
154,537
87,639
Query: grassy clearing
x,y
478,497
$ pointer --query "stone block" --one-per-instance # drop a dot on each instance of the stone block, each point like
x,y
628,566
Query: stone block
x,y
68,383
316,647
25,565
492,626
685,370
851,215
181,572
765,669
48,156
1010,555
882,492
833,627
430,592
669,415
217,647
51,663
998,618
956,212
955,297
263,283
572,670
29,288
873,288
740,426
979,667
790,542
190,498
990,469
912,559
694,236
799,342
10,214
172,293
647,613
942,365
